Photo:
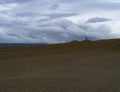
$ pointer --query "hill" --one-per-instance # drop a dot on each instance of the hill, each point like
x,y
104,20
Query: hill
x,y
70,47
21,44
77,66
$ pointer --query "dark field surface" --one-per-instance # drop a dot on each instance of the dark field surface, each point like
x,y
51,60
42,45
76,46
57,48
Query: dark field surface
x,y
72,67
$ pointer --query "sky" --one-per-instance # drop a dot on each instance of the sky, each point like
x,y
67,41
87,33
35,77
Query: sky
x,y
57,21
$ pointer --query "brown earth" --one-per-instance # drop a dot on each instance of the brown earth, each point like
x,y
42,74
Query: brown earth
x,y
87,66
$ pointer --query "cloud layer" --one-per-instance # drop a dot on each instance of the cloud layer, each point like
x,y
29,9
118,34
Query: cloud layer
x,y
97,20
45,21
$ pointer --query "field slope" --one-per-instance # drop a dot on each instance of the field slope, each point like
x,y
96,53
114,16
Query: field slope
x,y
87,66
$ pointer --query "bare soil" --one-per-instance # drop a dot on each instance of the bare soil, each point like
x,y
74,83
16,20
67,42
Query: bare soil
x,y
70,67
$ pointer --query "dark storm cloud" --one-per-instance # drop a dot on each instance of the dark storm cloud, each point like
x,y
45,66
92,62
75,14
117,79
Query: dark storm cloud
x,y
98,19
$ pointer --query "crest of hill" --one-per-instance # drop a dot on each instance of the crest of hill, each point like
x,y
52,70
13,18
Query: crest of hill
x,y
78,42
64,48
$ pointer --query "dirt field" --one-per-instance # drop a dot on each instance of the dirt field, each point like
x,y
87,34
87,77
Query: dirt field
x,y
71,67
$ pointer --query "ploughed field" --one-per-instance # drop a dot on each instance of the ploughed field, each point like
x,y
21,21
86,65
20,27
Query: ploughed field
x,y
69,67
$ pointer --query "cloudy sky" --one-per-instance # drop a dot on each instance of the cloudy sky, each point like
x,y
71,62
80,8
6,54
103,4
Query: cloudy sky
x,y
56,21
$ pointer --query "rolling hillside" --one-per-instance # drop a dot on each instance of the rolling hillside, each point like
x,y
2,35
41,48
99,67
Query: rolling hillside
x,y
87,66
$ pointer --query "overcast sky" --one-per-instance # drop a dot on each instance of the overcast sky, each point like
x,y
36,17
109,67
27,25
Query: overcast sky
x,y
55,21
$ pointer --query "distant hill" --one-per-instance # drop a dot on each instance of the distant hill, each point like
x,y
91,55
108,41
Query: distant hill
x,y
62,48
21,44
